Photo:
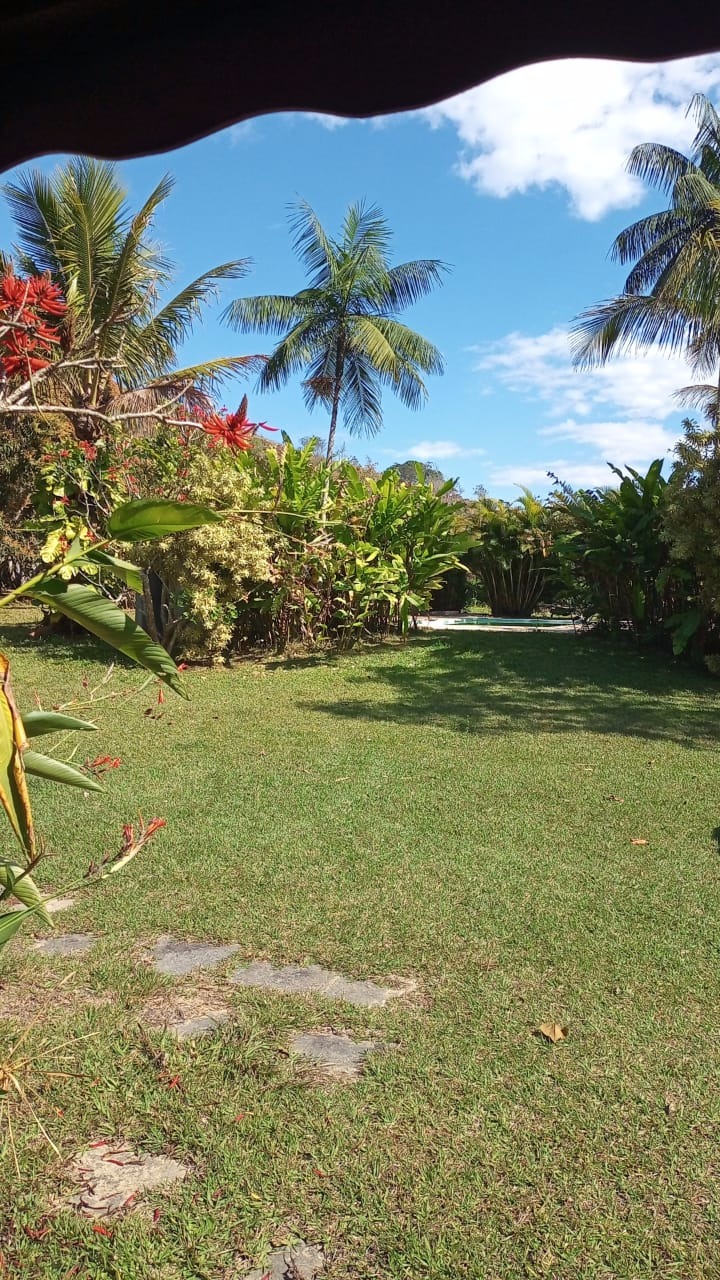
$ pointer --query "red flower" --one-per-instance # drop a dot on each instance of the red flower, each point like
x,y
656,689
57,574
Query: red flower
x,y
102,763
233,429
46,296
25,331
88,449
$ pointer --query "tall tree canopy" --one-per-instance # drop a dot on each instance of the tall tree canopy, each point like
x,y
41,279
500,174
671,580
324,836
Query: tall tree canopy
x,y
341,333
671,295
120,337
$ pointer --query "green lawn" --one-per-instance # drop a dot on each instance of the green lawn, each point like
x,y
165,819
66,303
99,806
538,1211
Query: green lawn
x,y
438,811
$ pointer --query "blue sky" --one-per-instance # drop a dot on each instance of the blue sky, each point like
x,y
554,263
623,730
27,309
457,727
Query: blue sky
x,y
520,186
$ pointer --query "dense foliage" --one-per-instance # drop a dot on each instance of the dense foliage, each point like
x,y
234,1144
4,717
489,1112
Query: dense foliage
x,y
511,553
308,551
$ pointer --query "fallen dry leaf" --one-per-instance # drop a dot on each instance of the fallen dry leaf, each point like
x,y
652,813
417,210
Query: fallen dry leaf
x,y
551,1031
639,840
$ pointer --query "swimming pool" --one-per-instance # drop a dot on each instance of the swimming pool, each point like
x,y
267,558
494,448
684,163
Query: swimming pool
x,y
482,620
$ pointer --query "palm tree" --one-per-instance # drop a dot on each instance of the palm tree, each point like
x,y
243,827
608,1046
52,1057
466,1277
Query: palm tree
x,y
341,331
672,294
120,340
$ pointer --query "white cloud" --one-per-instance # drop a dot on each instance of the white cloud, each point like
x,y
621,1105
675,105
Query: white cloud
x,y
578,475
573,123
627,443
327,121
621,412
242,131
435,450
639,384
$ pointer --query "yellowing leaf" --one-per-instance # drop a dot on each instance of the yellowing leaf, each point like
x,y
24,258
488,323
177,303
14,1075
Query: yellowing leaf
x,y
551,1031
25,890
13,787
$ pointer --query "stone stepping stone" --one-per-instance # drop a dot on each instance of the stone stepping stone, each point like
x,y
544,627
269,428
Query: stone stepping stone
x,y
112,1175
204,1024
178,958
65,944
337,1055
313,979
53,905
186,1016
300,1262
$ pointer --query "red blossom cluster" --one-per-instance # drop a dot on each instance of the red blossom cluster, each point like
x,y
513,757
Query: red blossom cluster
x,y
132,841
27,332
233,429
102,763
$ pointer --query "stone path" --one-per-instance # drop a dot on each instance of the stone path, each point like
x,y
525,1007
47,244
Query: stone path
x,y
112,1175
338,1056
314,980
65,944
178,958
300,1262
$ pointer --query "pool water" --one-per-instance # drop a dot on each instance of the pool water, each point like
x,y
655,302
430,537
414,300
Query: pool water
x,y
481,620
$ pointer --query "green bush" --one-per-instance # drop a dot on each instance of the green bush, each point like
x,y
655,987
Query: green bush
x,y
211,571
512,553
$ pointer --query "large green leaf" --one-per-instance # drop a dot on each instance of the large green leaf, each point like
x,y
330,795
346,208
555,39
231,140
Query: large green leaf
x,y
38,722
58,771
100,616
24,888
155,518
13,789
10,923
122,569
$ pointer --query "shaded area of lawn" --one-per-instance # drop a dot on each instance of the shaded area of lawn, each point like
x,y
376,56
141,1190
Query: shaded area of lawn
x,y
459,810
538,684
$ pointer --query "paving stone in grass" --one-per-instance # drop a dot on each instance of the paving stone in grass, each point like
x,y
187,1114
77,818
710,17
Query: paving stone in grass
x,y
186,1015
53,905
203,1025
65,944
314,980
178,958
111,1175
301,1262
338,1056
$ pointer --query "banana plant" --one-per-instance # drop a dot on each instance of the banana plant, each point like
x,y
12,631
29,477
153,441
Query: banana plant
x,y
56,588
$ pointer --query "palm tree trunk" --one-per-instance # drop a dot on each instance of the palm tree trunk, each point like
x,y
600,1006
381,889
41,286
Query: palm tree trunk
x,y
337,388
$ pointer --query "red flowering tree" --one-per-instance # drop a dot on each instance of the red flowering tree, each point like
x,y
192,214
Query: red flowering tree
x,y
29,313
232,429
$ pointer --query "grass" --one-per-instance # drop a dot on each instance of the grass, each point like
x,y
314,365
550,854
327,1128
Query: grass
x,y
437,811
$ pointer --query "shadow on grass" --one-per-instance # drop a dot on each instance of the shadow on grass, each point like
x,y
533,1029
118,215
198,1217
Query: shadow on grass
x,y
535,683
20,630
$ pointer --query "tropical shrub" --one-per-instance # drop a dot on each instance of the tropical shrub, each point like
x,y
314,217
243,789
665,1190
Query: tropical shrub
x,y
210,574
355,554
512,552
691,525
612,556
